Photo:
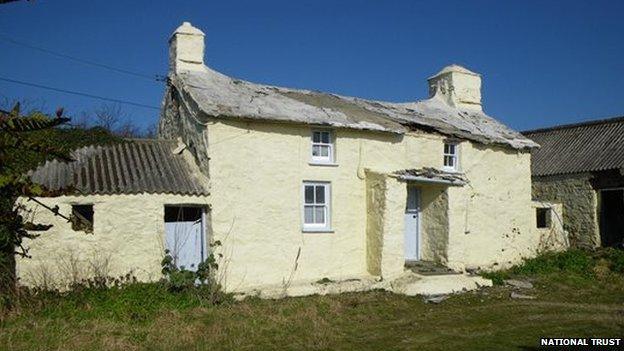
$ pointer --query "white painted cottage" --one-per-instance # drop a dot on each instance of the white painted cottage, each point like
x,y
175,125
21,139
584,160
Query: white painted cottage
x,y
299,185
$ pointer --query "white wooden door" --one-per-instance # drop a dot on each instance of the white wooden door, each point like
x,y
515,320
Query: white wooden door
x,y
412,224
185,240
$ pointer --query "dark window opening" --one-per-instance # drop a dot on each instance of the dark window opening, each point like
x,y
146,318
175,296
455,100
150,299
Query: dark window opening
x,y
612,218
543,217
82,218
182,214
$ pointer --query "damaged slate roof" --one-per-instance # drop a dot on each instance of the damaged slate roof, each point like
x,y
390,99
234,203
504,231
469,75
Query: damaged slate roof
x,y
218,95
433,175
581,147
129,167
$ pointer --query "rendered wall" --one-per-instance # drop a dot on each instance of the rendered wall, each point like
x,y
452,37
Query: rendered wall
x,y
257,170
385,225
128,237
491,221
375,207
434,223
580,202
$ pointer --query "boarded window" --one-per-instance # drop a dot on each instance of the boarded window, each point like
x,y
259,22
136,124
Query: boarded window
x,y
82,218
543,217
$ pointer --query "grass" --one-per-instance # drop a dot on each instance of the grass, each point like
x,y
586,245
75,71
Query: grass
x,y
579,294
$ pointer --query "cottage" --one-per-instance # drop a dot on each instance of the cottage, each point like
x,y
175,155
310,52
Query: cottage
x,y
300,186
582,166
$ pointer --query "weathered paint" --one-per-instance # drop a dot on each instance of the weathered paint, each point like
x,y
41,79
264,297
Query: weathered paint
x,y
257,172
128,237
258,168
435,223
553,237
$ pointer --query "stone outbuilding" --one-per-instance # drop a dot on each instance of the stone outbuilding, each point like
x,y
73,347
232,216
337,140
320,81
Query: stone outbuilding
x,y
582,166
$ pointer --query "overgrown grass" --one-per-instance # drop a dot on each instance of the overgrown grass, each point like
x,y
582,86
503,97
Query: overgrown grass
x,y
137,302
580,302
575,263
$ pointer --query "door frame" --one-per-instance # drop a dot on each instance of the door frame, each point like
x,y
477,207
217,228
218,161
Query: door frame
x,y
203,226
419,227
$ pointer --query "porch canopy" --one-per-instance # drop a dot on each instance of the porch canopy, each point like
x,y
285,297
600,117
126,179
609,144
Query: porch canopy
x,y
432,175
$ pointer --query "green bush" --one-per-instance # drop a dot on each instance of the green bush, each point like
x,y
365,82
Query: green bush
x,y
574,262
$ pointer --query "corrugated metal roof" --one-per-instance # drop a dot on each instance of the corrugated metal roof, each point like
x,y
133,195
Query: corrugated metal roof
x,y
581,147
130,167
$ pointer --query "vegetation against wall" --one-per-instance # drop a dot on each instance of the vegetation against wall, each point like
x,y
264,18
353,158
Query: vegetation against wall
x,y
26,141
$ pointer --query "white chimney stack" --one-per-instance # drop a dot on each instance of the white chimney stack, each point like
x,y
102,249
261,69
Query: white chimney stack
x,y
458,86
186,49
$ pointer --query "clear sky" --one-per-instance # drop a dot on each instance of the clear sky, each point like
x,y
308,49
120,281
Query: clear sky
x,y
542,62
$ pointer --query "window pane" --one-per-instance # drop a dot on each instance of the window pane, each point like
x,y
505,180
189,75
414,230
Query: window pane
x,y
309,194
316,150
320,194
325,137
446,148
451,161
324,151
316,137
308,214
452,149
319,214
446,160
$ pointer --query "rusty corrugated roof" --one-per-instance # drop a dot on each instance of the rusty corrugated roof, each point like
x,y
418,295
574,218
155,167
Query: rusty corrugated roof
x,y
581,147
130,167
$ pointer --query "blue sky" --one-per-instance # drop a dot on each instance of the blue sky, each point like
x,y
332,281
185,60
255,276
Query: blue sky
x,y
542,62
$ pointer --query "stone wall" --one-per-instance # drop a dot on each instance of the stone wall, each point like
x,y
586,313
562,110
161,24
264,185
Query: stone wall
x,y
580,201
553,237
177,121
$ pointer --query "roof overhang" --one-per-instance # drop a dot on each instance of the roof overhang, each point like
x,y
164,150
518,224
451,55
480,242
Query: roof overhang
x,y
431,176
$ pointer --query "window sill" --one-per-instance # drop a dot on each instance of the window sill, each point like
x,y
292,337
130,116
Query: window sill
x,y
314,230
324,164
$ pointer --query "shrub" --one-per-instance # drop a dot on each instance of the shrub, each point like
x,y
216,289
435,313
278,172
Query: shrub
x,y
580,263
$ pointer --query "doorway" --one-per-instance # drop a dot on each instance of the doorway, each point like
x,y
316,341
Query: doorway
x,y
185,235
612,217
412,224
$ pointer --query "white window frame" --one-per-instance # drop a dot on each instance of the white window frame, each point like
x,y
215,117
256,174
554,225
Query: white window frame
x,y
316,227
329,159
454,156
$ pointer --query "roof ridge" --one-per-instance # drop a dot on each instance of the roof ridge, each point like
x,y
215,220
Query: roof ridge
x,y
574,125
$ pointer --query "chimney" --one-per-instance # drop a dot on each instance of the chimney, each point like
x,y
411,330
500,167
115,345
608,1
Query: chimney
x,y
458,86
186,49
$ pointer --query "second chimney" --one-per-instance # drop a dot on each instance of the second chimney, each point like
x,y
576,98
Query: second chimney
x,y
458,86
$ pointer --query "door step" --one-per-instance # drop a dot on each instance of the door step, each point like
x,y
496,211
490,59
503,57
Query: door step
x,y
429,268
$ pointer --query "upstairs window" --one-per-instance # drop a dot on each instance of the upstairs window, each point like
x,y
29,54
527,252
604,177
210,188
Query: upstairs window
x,y
322,146
316,209
82,218
451,157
